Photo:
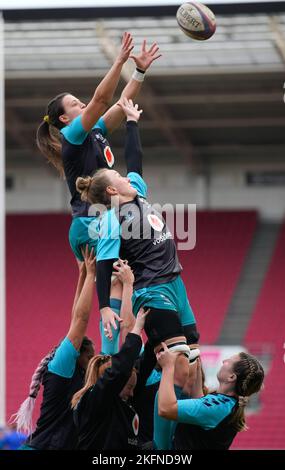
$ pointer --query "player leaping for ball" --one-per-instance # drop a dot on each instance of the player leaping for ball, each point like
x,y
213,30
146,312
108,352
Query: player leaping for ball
x,y
158,284
72,137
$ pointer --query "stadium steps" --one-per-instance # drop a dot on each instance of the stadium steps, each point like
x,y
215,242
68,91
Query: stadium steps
x,y
212,269
266,333
250,284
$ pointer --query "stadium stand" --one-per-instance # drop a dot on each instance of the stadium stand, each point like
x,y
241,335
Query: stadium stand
x,y
222,130
41,281
267,327
41,278
211,271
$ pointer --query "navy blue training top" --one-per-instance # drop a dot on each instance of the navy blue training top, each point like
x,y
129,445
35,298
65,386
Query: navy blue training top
x,y
205,423
55,428
82,154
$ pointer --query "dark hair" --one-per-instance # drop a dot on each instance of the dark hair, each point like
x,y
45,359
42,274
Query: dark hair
x,y
250,376
86,343
93,188
48,137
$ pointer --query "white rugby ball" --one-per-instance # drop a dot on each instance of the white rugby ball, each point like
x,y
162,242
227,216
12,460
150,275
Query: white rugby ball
x,y
196,20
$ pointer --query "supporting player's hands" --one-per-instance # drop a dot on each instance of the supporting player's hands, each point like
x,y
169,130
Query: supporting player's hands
x,y
123,272
166,358
146,56
195,379
89,261
131,111
109,320
81,266
140,321
126,47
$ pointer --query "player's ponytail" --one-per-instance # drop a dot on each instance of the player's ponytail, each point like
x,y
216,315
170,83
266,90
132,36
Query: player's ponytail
x,y
250,376
48,137
24,416
93,189
95,370
83,186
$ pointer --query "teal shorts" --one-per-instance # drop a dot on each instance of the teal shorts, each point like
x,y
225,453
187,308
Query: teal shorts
x,y
169,296
83,230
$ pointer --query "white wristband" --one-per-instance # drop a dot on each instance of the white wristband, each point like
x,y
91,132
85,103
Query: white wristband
x,y
138,76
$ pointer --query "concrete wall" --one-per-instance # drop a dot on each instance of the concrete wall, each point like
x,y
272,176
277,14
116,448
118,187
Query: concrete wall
x,y
38,189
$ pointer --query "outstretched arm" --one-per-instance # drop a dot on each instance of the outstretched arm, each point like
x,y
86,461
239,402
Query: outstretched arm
x,y
133,147
167,401
108,250
194,384
125,275
105,90
80,284
115,115
116,376
147,364
103,285
83,305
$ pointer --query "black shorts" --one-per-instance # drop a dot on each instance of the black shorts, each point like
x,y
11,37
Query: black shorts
x,y
161,325
191,334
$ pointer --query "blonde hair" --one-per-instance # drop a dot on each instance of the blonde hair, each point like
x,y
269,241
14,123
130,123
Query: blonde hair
x,y
83,186
93,189
96,368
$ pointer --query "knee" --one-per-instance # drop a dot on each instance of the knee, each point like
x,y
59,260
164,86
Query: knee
x,y
181,372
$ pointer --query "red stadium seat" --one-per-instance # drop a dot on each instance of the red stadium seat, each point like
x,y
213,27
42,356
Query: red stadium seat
x,y
42,274
41,282
211,271
267,327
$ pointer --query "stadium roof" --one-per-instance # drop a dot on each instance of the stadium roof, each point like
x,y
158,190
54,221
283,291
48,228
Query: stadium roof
x,y
220,97
63,47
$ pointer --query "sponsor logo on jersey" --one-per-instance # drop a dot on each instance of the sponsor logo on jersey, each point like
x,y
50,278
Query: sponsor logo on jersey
x,y
155,222
109,157
135,424
162,238
100,138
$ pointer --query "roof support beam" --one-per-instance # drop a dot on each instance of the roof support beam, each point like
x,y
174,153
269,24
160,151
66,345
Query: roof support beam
x,y
160,115
278,36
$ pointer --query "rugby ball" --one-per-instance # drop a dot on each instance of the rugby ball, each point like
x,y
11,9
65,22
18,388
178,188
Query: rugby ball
x,y
196,20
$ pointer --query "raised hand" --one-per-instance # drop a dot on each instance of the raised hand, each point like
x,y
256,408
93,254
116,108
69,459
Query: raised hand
x,y
109,320
146,57
81,266
123,272
166,358
140,321
131,111
89,260
126,47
